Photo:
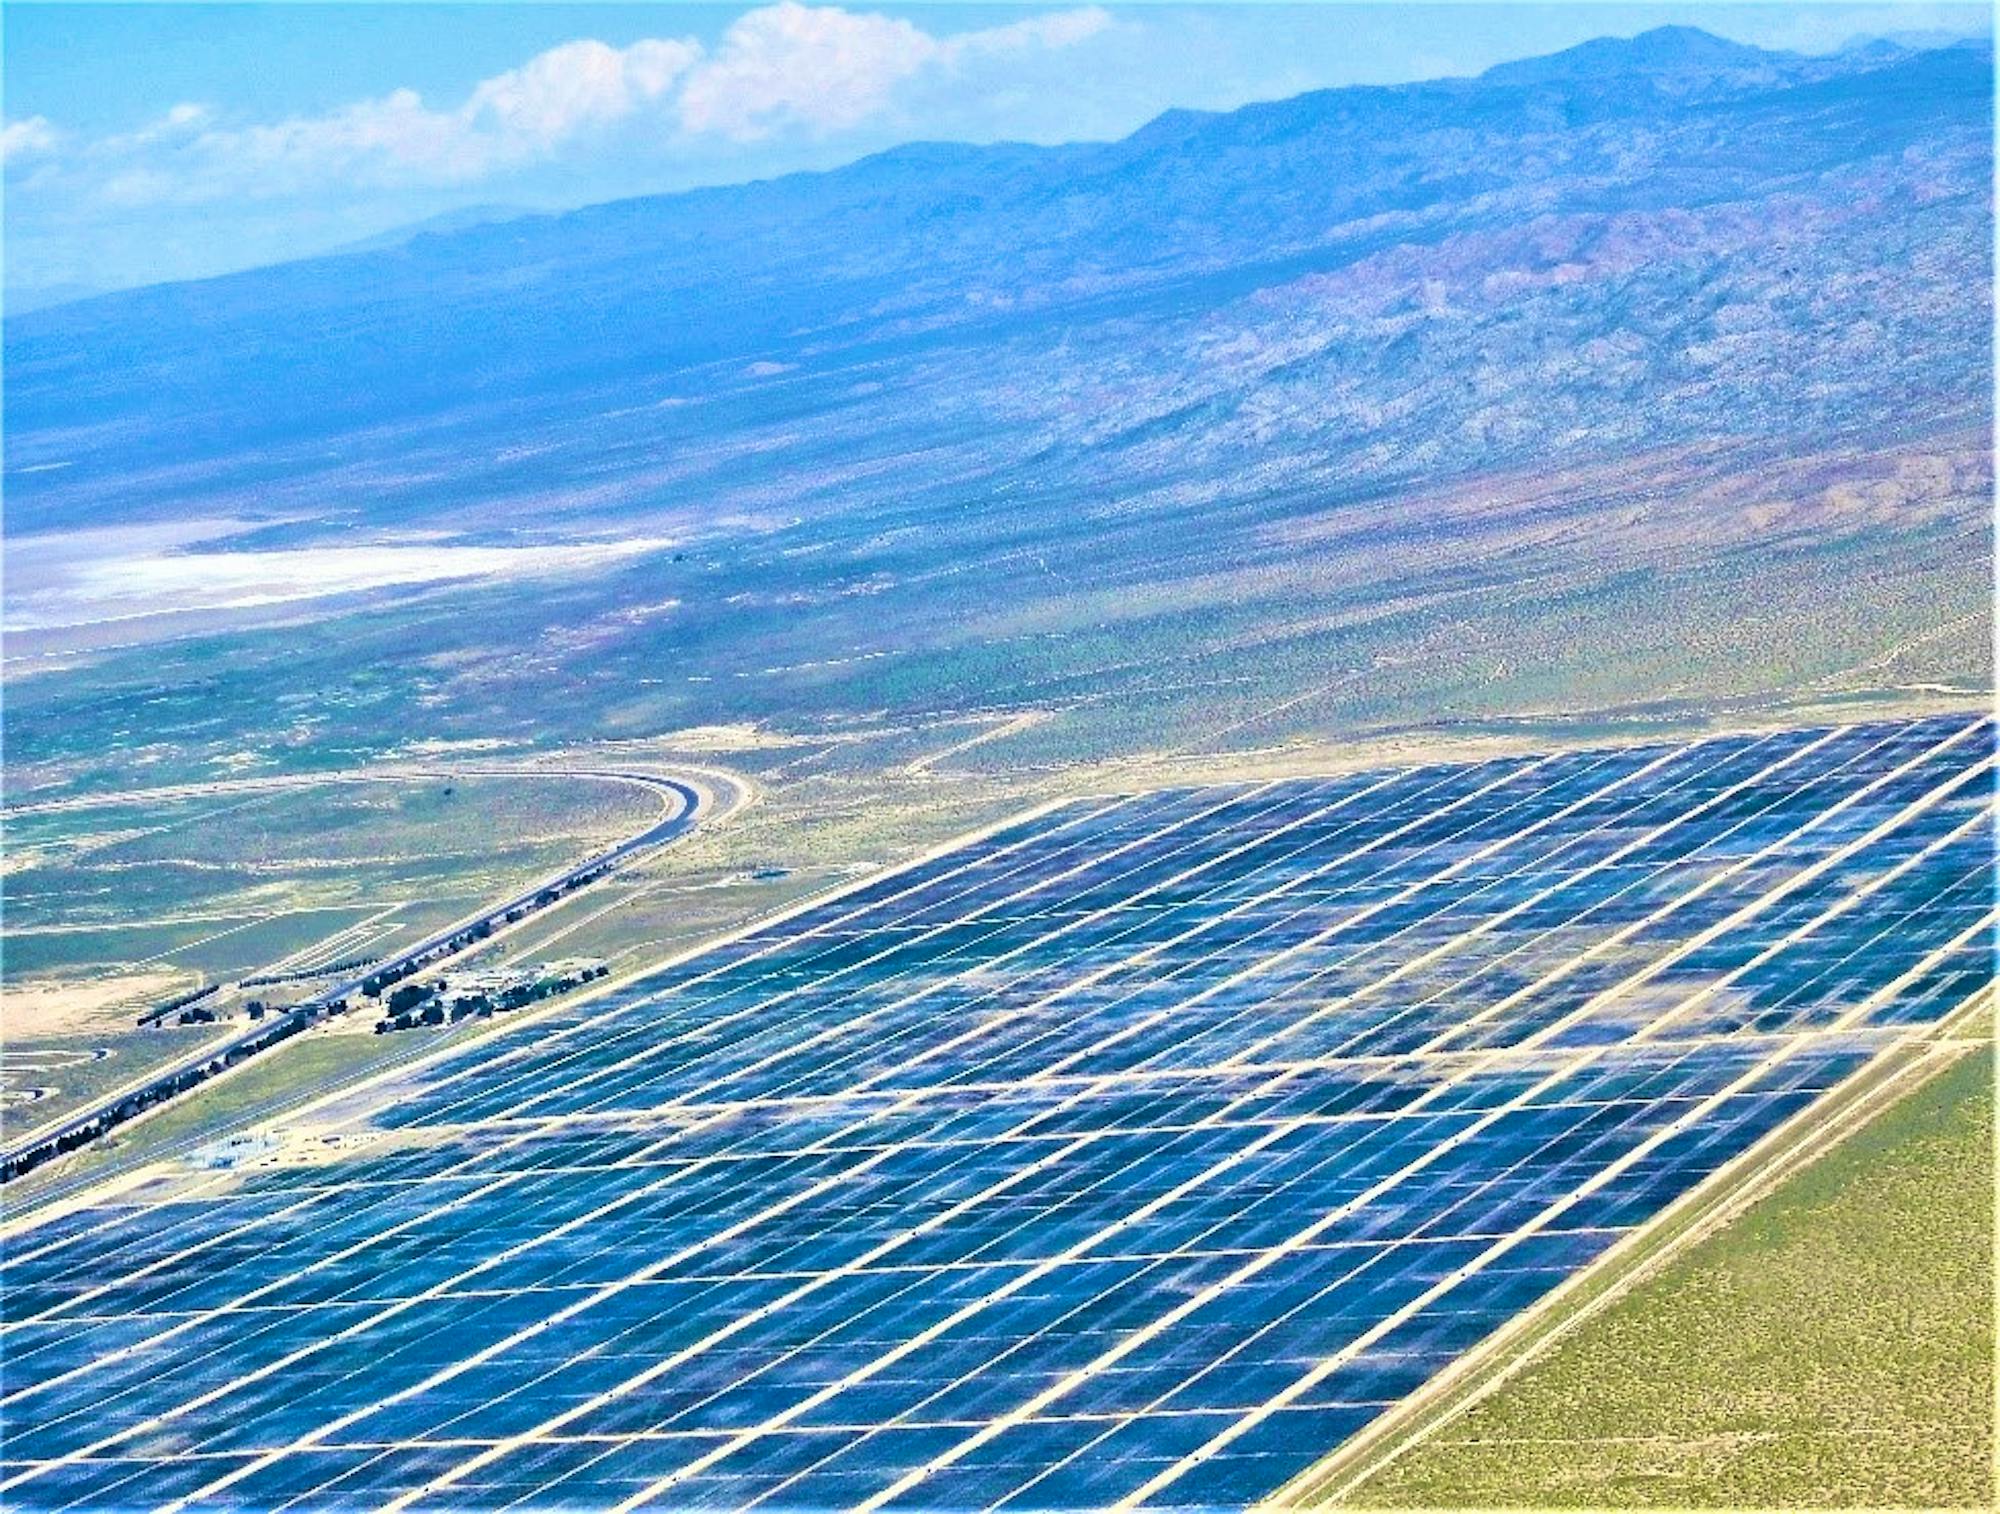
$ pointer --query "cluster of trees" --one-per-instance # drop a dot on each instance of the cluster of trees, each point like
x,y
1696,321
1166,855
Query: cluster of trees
x,y
374,983
180,1002
345,965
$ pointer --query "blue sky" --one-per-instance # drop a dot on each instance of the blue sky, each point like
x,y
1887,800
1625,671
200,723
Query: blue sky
x,y
148,142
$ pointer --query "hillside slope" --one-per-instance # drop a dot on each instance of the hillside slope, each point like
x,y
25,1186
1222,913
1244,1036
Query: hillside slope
x,y
1633,243
1646,383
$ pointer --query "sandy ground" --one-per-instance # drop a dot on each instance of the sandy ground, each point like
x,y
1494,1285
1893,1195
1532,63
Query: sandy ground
x,y
73,590
68,1006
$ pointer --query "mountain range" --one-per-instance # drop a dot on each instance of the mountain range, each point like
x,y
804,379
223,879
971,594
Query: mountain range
x,y
1655,375
1630,241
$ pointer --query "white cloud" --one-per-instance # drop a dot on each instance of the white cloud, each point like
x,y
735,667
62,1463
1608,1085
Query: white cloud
x,y
575,86
787,67
395,139
26,138
179,123
1057,30
824,69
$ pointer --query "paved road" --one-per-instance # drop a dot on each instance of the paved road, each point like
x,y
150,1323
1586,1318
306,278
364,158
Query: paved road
x,y
683,805
684,808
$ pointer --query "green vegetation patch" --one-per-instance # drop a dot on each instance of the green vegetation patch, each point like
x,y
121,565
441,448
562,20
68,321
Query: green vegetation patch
x,y
1833,1347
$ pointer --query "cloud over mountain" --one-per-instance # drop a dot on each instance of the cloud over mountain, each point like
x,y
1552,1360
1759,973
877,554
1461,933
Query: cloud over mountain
x,y
787,67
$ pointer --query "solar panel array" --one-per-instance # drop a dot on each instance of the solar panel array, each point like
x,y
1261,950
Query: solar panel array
x,y
1137,1153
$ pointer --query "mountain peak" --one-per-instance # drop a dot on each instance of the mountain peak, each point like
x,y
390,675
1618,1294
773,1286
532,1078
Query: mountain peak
x,y
1663,50
464,218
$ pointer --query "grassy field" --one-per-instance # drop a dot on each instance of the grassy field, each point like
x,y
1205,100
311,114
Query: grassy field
x,y
116,908
254,853
1833,1347
1657,593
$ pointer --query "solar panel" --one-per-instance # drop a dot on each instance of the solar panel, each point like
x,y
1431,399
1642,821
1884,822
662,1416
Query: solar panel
x,y
1137,1153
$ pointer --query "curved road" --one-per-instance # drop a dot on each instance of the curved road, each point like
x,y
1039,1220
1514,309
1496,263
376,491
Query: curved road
x,y
679,820
684,803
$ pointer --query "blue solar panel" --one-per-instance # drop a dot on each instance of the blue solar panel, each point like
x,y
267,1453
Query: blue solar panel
x,y
1139,1152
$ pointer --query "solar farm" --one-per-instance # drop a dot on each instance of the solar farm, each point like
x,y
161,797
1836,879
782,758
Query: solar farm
x,y
1137,1153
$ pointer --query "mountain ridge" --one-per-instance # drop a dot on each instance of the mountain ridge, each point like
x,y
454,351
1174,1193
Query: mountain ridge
x,y
1585,68
969,278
